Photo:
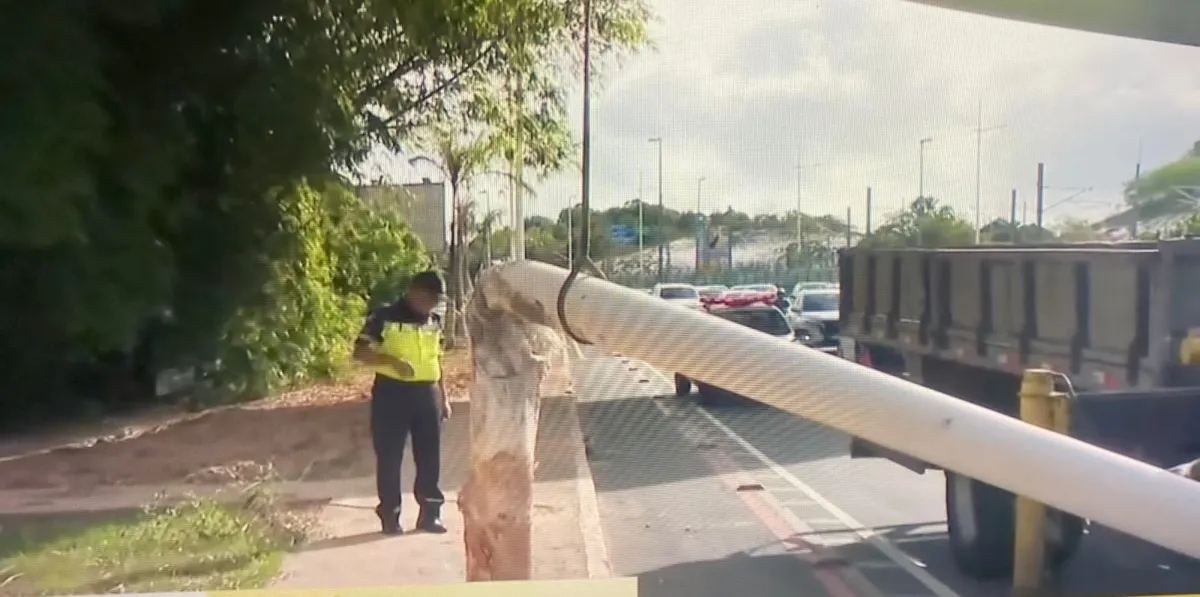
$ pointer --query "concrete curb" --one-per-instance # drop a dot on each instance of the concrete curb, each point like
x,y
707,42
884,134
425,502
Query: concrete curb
x,y
595,548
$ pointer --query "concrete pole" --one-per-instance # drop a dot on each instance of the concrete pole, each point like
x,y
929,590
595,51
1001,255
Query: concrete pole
x,y
1056,470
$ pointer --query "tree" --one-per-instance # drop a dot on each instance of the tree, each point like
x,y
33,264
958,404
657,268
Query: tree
x,y
924,224
1004,231
1075,230
169,163
1164,198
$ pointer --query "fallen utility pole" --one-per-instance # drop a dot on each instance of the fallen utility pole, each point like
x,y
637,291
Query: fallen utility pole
x,y
514,345
1053,469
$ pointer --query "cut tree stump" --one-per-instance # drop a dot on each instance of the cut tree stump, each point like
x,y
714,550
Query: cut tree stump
x,y
515,343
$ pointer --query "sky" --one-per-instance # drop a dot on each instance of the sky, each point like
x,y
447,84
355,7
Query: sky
x,y
743,91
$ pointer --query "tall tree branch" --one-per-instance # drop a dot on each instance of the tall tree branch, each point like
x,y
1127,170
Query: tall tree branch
x,y
440,87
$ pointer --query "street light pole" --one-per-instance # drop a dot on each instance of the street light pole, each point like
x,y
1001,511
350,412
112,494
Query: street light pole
x,y
641,229
661,213
699,223
921,192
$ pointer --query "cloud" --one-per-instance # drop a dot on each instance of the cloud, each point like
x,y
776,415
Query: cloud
x,y
741,90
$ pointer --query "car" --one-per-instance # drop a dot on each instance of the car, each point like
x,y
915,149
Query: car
x,y
683,295
762,316
815,317
712,290
756,288
807,286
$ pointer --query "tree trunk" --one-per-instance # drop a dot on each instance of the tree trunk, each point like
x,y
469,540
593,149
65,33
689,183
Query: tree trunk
x,y
513,350
454,299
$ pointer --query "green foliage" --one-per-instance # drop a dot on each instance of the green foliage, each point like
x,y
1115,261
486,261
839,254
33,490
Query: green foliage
x,y
374,252
154,157
924,224
1165,199
1003,231
196,545
339,257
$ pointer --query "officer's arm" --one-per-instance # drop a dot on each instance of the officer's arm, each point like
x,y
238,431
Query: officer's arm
x,y
368,339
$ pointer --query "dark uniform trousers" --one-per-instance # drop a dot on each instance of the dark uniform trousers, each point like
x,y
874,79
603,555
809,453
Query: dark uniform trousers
x,y
406,408
400,409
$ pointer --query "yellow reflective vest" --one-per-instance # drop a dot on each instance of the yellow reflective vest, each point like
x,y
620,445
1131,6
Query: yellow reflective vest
x,y
418,344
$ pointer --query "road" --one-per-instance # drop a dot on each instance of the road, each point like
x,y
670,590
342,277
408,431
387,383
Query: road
x,y
748,500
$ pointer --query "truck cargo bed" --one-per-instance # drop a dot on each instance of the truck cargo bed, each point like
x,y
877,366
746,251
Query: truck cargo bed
x,y
1110,315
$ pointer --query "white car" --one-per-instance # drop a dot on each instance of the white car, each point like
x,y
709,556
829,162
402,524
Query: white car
x,y
815,317
809,286
684,295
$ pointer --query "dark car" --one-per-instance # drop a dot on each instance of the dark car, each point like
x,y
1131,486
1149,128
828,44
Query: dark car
x,y
766,319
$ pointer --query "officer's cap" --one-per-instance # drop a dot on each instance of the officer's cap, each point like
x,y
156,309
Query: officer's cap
x,y
430,281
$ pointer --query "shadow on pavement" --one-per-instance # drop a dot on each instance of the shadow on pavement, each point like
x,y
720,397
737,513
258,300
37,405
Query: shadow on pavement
x,y
777,574
638,445
737,574
346,541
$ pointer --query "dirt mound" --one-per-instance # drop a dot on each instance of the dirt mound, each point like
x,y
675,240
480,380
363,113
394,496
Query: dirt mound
x,y
319,433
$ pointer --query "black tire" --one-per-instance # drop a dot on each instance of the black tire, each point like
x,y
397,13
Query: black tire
x,y
683,386
981,519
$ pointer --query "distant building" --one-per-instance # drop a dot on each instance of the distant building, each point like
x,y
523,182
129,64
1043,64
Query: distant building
x,y
421,205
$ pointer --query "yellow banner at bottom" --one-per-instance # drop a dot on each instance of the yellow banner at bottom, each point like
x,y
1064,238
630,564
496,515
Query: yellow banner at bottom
x,y
597,587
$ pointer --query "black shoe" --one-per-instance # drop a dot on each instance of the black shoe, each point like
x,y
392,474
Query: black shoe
x,y
430,519
389,521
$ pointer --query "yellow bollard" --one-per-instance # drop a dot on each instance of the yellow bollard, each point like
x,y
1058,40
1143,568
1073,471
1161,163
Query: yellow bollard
x,y
1040,406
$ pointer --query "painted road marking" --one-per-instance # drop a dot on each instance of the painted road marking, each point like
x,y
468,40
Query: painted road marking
x,y
781,522
888,549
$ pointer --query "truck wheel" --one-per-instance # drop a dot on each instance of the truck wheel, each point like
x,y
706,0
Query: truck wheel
x,y
981,520
683,386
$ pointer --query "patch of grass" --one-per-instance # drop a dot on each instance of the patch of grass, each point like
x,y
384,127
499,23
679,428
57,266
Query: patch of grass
x,y
201,544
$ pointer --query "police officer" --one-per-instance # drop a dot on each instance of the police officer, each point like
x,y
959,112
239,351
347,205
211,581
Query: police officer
x,y
401,342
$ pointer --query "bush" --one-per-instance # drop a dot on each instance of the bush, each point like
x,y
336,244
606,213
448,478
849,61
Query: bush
x,y
256,295
341,258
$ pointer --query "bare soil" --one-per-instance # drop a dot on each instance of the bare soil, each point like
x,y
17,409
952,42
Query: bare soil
x,y
318,433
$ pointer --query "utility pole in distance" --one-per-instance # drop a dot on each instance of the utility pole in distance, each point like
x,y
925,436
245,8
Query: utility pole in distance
x,y
867,228
849,234
641,229
800,202
979,131
1041,192
921,188
661,213
1012,217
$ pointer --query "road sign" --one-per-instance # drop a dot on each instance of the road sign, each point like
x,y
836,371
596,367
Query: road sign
x,y
624,234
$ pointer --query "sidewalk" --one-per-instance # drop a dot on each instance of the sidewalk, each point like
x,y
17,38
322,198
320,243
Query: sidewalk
x,y
567,545
350,552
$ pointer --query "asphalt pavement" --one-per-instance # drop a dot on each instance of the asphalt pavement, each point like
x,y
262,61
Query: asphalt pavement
x,y
753,501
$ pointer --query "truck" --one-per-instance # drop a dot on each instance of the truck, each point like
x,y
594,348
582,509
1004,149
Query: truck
x,y
1119,321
